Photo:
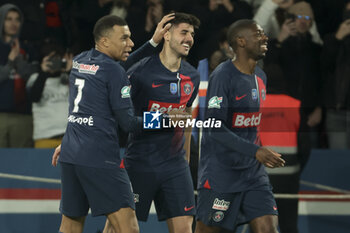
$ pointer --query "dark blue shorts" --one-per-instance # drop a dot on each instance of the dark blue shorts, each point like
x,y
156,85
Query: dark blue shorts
x,y
228,210
172,193
103,190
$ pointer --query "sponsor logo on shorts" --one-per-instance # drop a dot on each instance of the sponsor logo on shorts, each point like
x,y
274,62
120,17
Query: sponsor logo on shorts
x,y
220,204
218,216
136,198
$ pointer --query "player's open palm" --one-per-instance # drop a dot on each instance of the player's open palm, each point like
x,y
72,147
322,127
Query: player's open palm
x,y
269,158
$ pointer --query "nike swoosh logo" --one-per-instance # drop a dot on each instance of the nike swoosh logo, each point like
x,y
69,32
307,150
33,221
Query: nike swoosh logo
x,y
188,209
240,97
156,85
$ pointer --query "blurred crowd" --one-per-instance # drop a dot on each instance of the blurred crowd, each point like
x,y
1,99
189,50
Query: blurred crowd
x,y
308,57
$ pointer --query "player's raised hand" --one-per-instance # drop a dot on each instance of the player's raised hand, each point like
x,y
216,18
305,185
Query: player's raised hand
x,y
269,158
55,156
162,27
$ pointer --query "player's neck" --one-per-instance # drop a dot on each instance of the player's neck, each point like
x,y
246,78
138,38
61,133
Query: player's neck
x,y
245,66
170,60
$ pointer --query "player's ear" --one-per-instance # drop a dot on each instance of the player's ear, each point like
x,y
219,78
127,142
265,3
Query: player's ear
x,y
240,41
167,36
105,42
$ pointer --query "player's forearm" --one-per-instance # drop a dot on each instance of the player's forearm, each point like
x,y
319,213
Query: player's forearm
x,y
227,138
128,121
145,50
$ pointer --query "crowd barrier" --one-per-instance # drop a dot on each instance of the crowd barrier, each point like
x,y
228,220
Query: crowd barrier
x,y
30,193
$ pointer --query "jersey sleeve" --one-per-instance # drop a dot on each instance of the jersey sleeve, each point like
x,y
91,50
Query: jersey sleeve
x,y
196,80
217,100
119,89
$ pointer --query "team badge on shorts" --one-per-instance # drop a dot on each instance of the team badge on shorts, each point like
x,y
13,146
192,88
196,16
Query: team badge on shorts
x,y
187,89
173,88
218,216
254,94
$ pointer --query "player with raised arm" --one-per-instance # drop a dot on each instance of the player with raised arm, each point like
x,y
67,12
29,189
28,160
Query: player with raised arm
x,y
233,187
155,159
92,174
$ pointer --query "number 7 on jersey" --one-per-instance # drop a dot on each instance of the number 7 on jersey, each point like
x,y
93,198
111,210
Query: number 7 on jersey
x,y
80,83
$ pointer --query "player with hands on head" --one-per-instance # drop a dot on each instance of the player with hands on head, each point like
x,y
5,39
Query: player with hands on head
x,y
233,186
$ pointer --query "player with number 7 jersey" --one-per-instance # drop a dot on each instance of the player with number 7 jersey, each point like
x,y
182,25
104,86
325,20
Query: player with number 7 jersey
x,y
92,173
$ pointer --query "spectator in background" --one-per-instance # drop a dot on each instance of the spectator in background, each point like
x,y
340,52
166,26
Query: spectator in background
x,y
224,51
49,94
120,8
336,68
294,57
215,15
272,15
16,65
84,15
143,21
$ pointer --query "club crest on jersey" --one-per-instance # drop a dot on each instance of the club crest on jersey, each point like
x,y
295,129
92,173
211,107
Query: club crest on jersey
x,y
173,88
215,102
125,92
263,94
218,216
187,89
254,94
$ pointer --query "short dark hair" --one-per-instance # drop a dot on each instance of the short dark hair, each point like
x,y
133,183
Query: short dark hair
x,y
185,18
105,24
235,29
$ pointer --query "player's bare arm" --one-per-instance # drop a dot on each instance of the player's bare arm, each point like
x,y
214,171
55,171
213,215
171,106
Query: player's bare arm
x,y
269,158
55,156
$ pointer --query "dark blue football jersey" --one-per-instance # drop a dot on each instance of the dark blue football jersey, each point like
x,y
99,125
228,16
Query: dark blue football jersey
x,y
98,85
155,88
235,99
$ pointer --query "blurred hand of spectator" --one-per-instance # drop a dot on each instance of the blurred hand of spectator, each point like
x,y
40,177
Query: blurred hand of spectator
x,y
284,4
46,63
214,4
14,50
344,30
315,117
69,61
288,29
154,14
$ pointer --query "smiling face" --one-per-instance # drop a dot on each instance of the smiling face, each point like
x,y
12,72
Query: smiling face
x,y
12,23
255,42
180,38
118,43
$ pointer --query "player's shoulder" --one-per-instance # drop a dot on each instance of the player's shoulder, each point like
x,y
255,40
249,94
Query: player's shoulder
x,y
142,65
190,70
223,72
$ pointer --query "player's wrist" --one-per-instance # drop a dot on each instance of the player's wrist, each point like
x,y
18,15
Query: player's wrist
x,y
154,44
